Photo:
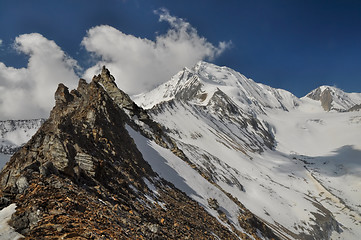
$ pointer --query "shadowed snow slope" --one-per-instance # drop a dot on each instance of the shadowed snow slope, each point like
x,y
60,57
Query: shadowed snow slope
x,y
289,161
4,158
236,147
99,167
200,83
15,133
7,232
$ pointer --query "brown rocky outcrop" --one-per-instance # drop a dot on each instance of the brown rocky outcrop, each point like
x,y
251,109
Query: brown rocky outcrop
x,y
81,176
325,97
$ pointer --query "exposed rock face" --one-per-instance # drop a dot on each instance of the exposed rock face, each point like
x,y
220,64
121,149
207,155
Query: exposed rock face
x,y
81,176
324,96
332,98
355,108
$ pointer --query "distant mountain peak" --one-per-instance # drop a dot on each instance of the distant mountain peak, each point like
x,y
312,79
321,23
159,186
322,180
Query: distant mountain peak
x,y
199,83
83,176
210,145
333,98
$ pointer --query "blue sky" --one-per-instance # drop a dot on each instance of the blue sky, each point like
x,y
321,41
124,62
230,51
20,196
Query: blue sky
x,y
296,45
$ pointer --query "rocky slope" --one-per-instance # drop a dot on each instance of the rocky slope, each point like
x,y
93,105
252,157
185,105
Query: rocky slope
x,y
251,157
83,176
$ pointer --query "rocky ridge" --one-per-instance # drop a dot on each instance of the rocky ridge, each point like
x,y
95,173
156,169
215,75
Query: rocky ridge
x,y
81,176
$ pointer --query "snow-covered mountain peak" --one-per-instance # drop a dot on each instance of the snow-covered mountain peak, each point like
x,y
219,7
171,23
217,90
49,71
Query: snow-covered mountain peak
x,y
317,93
333,98
100,156
14,133
218,75
198,85
184,85
227,142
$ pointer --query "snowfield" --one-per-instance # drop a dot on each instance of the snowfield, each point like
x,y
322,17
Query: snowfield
x,y
14,133
7,232
308,185
175,170
329,145
286,159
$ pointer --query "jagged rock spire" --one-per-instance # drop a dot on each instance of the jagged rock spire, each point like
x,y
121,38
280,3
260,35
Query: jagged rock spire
x,y
81,176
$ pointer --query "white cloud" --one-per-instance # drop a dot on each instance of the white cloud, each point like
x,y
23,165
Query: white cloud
x,y
1,42
140,64
29,92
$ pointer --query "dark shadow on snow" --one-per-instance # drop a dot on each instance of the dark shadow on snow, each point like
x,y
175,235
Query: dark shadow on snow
x,y
159,164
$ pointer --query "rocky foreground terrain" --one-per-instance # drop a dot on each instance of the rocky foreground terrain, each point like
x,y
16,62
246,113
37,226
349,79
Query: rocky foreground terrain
x,y
82,176
209,154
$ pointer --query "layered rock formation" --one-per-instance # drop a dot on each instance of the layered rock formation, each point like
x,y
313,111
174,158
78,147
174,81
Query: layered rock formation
x,y
81,176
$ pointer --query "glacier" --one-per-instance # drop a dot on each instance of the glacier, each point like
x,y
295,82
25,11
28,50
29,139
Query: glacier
x,y
305,183
293,162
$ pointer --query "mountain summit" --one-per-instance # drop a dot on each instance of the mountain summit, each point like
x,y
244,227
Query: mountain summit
x,y
332,98
88,174
294,162
205,80
212,155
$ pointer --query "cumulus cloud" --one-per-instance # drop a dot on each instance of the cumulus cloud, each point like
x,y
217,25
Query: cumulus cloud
x,y
1,42
140,64
29,92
